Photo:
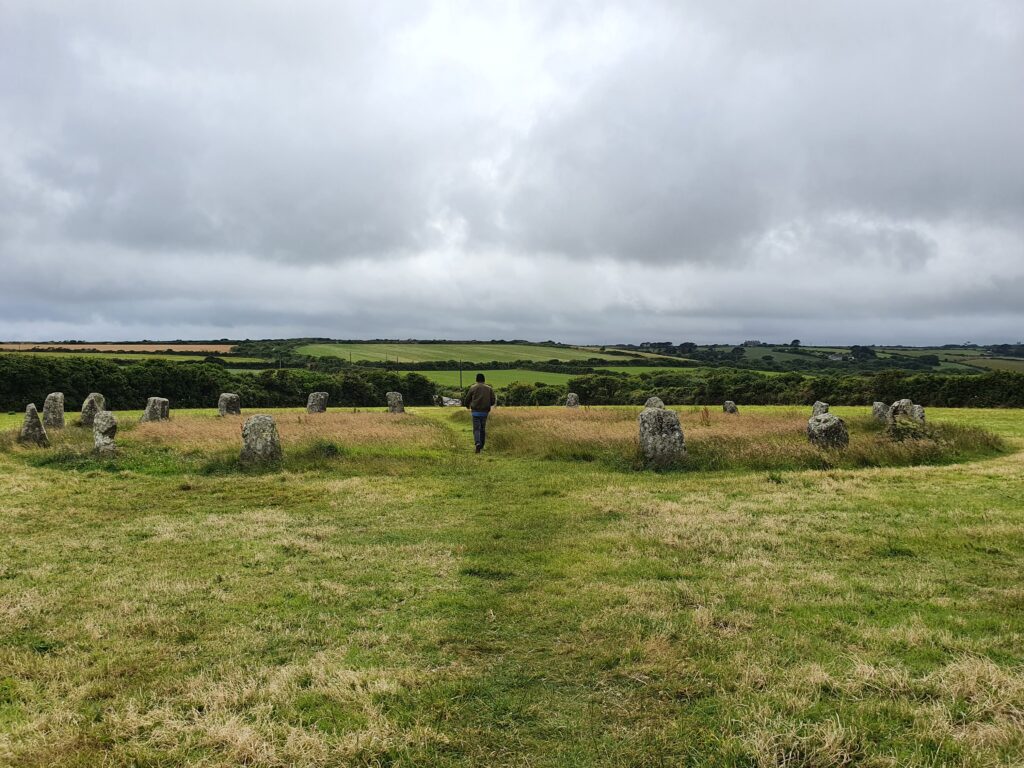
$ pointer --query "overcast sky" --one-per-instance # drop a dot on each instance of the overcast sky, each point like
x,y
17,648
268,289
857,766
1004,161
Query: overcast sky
x,y
582,171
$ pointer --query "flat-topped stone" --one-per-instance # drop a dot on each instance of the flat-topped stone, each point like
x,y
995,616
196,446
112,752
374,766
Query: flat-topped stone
x,y
880,411
317,402
572,400
53,411
229,404
826,430
395,402
260,441
104,430
157,409
661,437
729,407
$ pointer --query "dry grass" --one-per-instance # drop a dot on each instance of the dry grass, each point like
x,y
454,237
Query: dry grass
x,y
346,428
30,345
775,439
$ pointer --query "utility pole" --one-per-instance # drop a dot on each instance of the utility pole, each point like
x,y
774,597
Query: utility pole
x,y
460,374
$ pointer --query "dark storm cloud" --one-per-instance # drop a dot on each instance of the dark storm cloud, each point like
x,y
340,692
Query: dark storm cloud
x,y
587,171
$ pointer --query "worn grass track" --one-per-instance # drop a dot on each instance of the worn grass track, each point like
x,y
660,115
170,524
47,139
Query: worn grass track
x,y
432,607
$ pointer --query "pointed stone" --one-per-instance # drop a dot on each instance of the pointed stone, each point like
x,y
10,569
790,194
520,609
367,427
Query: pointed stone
x,y
93,404
32,430
819,408
654,402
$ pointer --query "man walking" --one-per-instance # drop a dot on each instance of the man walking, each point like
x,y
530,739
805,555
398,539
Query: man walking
x,y
479,400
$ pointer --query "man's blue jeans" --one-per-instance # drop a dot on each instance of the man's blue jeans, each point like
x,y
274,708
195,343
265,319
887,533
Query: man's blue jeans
x,y
479,428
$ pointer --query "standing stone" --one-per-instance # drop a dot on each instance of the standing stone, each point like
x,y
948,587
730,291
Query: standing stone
x,y
229,404
317,402
104,430
729,407
32,430
53,411
899,408
819,408
93,404
572,400
260,442
157,409
917,413
654,402
395,403
661,436
826,430
880,411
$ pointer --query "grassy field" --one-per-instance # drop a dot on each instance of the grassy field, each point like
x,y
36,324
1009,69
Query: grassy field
x,y
499,378
134,356
480,353
388,598
27,346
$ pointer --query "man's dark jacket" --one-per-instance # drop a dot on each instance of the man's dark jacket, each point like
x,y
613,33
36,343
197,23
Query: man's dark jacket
x,y
480,398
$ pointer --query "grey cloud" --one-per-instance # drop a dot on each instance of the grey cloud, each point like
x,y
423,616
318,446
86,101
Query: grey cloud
x,y
420,170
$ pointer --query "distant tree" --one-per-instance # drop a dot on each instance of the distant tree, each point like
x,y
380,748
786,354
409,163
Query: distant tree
x,y
687,347
859,352
795,343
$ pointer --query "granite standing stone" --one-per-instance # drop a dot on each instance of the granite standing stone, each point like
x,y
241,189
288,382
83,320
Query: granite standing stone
x,y
260,441
819,408
229,404
917,413
317,402
104,430
826,430
572,400
880,411
93,404
729,407
661,436
32,430
395,402
654,402
53,411
900,408
157,409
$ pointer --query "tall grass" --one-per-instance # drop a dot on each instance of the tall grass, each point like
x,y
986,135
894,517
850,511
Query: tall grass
x,y
719,441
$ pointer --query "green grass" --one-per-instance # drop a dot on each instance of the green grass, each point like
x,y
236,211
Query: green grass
x,y
413,604
135,356
480,353
498,378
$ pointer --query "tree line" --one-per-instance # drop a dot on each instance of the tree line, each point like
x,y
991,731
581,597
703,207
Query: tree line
x,y
26,378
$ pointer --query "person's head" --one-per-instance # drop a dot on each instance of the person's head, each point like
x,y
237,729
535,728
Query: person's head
x,y
480,378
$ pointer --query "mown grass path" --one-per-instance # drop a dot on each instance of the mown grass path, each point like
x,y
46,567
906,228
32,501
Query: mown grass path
x,y
451,609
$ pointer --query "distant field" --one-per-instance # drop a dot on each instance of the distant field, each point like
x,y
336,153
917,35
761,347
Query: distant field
x,y
997,363
133,356
496,378
206,348
480,353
